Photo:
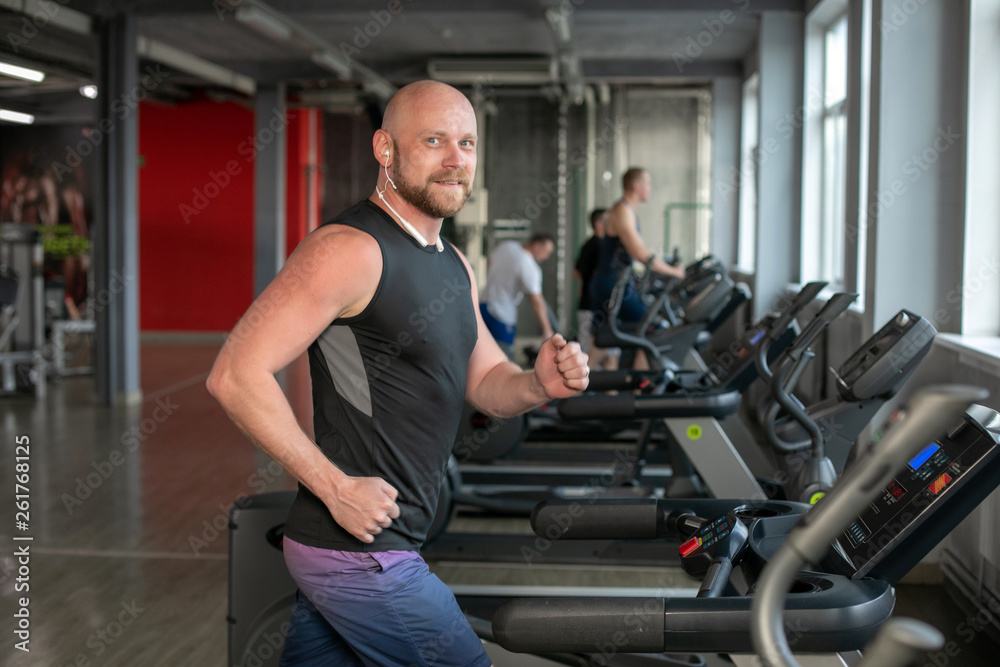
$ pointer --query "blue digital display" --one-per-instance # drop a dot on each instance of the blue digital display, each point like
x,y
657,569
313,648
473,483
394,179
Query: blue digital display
x,y
922,457
756,337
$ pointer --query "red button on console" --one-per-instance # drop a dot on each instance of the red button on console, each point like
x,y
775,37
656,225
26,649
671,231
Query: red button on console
x,y
690,547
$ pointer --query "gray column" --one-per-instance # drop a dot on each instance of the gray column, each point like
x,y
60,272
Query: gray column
x,y
779,164
116,221
727,104
269,185
916,192
858,113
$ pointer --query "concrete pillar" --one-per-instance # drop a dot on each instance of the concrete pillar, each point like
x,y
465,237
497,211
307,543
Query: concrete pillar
x,y
269,184
115,234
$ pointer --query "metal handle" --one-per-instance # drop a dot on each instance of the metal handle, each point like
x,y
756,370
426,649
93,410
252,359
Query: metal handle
x,y
932,411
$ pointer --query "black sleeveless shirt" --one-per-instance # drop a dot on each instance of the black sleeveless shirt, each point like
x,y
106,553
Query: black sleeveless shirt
x,y
389,384
612,256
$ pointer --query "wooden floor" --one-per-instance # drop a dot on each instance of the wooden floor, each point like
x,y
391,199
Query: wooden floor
x,y
128,513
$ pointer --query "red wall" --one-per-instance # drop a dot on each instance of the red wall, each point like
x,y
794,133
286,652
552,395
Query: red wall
x,y
196,216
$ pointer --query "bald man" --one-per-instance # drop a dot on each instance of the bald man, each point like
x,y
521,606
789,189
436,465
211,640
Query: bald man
x,y
389,315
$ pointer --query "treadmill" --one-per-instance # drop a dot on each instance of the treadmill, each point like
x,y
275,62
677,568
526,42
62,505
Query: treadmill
x,y
835,605
711,394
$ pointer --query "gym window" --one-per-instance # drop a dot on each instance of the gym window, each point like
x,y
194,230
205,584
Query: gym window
x,y
825,149
746,246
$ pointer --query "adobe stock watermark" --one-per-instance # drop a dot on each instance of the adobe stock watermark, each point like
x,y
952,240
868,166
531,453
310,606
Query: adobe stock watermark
x,y
893,20
121,108
560,522
217,526
987,272
31,25
914,168
361,37
611,129
713,29
364,35
219,180
104,637
966,630
105,467
785,128
100,301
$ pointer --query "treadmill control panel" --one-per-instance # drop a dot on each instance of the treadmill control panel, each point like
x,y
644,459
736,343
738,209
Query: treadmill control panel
x,y
886,358
915,493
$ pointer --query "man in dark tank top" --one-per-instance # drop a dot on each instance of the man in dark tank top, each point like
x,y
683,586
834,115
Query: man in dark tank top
x,y
388,313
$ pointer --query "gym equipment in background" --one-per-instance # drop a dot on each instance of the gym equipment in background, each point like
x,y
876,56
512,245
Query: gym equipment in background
x,y
837,605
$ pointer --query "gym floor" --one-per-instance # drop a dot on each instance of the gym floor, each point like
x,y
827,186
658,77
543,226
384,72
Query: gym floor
x,y
128,519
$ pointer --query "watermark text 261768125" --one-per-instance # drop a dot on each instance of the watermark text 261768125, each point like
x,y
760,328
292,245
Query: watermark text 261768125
x,y
22,550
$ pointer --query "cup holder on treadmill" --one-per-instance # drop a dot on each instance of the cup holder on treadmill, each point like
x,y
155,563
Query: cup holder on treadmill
x,y
748,513
807,585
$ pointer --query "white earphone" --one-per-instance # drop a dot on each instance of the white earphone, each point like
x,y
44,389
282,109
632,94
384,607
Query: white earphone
x,y
409,228
386,168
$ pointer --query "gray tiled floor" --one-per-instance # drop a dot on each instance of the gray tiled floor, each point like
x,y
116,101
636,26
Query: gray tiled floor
x,y
128,562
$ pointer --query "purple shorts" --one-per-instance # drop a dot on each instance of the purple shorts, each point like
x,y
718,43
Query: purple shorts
x,y
378,608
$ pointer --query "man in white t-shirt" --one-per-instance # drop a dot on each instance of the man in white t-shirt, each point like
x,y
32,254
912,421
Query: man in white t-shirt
x,y
514,272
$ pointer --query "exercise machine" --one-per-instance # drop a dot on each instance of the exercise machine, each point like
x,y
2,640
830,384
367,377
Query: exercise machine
x,y
836,605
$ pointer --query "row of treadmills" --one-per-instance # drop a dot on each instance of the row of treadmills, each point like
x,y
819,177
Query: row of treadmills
x,y
712,505
718,468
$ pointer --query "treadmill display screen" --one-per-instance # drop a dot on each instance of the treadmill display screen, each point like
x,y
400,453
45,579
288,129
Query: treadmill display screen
x,y
909,497
922,457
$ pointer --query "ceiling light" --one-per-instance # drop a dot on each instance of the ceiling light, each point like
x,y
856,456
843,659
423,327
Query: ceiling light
x,y
264,23
378,87
16,116
22,72
89,91
494,71
333,62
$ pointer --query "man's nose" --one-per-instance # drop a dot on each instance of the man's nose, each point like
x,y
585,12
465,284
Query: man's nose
x,y
455,158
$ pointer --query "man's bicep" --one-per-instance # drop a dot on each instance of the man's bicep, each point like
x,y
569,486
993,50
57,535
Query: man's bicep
x,y
486,355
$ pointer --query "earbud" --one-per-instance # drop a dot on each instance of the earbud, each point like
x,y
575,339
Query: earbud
x,y
387,177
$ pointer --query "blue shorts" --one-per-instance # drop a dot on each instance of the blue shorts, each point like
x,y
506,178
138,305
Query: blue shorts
x,y
380,608
632,309
502,332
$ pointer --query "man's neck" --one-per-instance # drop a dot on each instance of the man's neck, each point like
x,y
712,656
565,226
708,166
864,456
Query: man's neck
x,y
429,228
631,199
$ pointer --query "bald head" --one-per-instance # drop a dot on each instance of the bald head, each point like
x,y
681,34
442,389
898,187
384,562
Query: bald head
x,y
415,98
427,145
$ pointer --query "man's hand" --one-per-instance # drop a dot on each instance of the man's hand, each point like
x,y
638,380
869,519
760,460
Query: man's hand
x,y
561,369
363,506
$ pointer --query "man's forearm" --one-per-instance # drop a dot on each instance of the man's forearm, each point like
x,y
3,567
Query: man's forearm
x,y
259,408
659,266
507,391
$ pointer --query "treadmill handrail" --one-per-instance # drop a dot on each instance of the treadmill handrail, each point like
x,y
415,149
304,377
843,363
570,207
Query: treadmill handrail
x,y
717,403
932,410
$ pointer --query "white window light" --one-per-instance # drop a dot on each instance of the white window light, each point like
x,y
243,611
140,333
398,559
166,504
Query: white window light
x,y
22,72
89,91
16,117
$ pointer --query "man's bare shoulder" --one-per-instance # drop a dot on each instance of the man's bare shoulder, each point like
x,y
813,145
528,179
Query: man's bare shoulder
x,y
338,250
334,239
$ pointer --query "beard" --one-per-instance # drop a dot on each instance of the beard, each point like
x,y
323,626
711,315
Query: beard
x,y
439,205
